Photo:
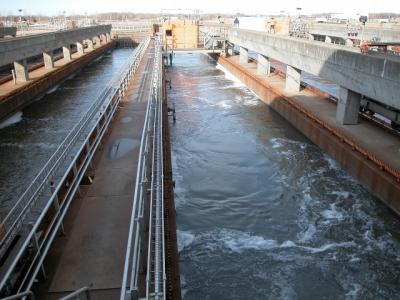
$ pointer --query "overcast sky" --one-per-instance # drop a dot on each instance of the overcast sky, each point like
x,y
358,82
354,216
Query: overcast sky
x,y
52,7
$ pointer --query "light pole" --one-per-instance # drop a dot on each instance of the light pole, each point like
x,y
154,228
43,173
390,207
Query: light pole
x,y
20,15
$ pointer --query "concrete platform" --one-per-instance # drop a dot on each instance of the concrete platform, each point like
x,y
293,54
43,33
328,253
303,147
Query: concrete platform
x,y
379,143
92,253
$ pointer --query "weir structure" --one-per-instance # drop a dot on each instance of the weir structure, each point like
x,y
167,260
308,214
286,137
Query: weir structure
x,y
367,151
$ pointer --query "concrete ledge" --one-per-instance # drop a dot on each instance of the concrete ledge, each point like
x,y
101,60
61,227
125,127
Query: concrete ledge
x,y
21,97
24,47
373,76
378,182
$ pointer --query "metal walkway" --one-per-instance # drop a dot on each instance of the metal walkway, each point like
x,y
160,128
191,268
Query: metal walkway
x,y
146,244
31,226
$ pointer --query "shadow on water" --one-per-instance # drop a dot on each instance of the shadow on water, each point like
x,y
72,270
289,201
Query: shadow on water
x,y
261,211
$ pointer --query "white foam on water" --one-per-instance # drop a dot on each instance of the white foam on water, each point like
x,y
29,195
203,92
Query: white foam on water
x,y
53,89
353,293
326,247
230,76
308,234
332,213
12,145
185,239
15,118
341,194
331,162
276,143
239,241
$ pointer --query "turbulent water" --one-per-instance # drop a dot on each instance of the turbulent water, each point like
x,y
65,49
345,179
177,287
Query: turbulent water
x,y
263,213
30,137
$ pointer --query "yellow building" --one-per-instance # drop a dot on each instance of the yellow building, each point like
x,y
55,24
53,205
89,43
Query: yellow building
x,y
181,34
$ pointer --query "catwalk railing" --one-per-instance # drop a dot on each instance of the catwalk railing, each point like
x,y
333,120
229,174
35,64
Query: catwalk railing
x,y
146,249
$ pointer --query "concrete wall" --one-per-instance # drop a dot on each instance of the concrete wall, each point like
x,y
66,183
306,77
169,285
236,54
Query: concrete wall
x,y
24,47
373,76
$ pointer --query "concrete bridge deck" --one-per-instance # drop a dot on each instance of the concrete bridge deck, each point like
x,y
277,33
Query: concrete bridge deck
x,y
20,48
92,253
9,86
376,141
373,76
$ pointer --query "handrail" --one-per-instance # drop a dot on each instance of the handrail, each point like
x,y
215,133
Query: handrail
x,y
48,180
74,295
21,296
37,186
148,179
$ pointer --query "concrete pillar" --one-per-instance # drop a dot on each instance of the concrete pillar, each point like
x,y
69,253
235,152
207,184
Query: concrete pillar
x,y
89,43
21,71
231,52
102,39
96,40
244,55
263,65
108,37
80,47
348,106
293,79
328,39
349,43
67,52
311,37
48,60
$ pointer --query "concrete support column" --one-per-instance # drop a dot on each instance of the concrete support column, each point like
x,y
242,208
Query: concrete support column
x,y
21,71
48,60
96,40
244,55
293,79
349,43
348,106
89,44
311,37
230,50
108,37
80,47
328,39
67,52
263,65
102,39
